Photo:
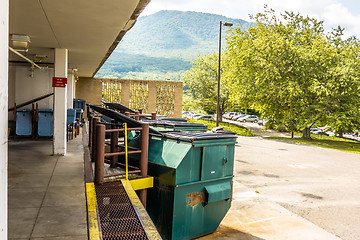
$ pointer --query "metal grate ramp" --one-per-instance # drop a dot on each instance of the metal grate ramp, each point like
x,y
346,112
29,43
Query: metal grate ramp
x,y
118,219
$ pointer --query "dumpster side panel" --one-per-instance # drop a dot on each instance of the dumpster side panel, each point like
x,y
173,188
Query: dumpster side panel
x,y
190,167
160,199
193,215
217,162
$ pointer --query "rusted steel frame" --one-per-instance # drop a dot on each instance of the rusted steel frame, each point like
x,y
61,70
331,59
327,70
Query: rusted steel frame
x,y
127,114
77,130
121,153
93,147
132,167
108,161
144,146
137,115
100,151
113,143
122,130
153,116
123,146
122,173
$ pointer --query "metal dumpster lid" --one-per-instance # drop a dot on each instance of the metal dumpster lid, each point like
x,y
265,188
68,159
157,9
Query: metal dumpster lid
x,y
174,124
171,119
196,136
118,106
120,118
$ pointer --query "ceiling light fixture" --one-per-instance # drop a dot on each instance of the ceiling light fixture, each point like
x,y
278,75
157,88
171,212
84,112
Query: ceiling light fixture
x,y
20,42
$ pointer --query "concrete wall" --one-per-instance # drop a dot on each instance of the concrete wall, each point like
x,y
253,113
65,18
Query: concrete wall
x,y
24,86
90,89
4,35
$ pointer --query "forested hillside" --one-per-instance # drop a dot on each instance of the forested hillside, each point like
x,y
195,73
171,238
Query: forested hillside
x,y
161,46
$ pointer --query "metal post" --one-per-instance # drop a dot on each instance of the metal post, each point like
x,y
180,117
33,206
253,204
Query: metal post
x,y
90,121
153,116
100,151
218,82
144,145
113,143
127,114
219,74
137,117
93,147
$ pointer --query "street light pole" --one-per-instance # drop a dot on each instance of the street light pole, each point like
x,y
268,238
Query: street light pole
x,y
219,71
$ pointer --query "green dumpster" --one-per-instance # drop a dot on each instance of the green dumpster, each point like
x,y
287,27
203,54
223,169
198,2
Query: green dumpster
x,y
193,174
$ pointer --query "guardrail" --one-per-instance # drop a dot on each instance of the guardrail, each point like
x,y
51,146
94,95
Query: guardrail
x,y
103,151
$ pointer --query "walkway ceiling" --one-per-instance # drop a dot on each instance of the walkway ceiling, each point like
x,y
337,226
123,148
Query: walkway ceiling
x,y
90,29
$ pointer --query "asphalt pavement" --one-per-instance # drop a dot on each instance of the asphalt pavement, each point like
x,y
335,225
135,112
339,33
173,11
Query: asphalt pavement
x,y
320,185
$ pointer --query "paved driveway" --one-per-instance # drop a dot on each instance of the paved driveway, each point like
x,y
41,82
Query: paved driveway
x,y
320,185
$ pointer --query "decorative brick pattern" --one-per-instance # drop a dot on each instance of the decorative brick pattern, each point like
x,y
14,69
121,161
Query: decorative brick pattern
x,y
139,96
165,98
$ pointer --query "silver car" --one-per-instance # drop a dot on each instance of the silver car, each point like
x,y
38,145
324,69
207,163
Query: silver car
x,y
249,118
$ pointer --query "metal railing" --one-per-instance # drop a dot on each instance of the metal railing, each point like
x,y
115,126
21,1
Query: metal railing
x,y
103,151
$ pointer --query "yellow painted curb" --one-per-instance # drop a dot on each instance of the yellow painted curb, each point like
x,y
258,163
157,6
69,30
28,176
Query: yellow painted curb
x,y
94,230
142,183
144,218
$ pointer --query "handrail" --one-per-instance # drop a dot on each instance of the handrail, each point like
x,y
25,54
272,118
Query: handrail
x,y
98,146
126,153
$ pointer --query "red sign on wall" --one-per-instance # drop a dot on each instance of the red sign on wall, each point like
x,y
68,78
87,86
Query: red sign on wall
x,y
59,82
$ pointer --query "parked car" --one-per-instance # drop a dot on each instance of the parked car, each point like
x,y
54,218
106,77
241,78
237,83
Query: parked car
x,y
263,122
249,118
319,132
222,130
234,116
239,116
204,117
196,116
229,115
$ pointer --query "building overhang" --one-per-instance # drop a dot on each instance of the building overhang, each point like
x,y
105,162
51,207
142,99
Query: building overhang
x,y
89,29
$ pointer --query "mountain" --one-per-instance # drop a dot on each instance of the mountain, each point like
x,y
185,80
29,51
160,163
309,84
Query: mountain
x,y
161,46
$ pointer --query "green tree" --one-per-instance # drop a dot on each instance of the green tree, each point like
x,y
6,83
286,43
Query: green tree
x,y
201,81
293,72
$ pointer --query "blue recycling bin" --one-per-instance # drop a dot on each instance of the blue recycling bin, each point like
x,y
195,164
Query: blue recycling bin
x,y
79,105
23,122
45,122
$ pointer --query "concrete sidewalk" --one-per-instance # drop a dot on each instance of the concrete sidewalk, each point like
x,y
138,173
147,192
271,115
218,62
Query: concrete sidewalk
x,y
253,217
46,193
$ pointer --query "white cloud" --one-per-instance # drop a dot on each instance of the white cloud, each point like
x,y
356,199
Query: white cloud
x,y
333,12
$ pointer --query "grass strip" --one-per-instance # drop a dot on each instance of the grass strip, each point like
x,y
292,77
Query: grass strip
x,y
239,130
331,142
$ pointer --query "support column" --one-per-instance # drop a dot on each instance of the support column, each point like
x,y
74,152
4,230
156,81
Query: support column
x,y
60,103
152,97
70,90
125,92
4,35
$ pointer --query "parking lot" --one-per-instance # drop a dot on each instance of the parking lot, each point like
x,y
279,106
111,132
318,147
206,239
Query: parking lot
x,y
320,185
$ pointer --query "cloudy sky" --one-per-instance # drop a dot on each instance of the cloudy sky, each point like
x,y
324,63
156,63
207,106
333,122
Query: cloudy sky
x,y
345,13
